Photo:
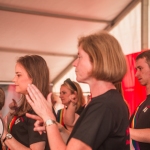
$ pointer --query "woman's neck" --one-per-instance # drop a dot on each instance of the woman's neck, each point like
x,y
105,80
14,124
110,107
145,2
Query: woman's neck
x,y
99,87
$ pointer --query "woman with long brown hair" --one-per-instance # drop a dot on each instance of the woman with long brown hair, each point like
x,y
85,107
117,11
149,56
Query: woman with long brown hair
x,y
29,69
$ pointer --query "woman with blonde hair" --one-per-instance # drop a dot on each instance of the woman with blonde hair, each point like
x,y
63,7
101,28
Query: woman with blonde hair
x,y
73,99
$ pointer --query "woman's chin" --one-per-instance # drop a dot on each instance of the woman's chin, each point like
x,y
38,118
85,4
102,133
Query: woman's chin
x,y
79,80
21,92
17,90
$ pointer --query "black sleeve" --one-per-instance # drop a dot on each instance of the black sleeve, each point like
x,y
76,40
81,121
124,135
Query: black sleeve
x,y
0,146
99,120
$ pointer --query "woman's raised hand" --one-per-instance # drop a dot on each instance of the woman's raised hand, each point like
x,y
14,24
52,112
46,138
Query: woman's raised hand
x,y
39,104
73,98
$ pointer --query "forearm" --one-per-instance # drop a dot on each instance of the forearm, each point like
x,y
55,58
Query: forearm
x,y
62,129
70,116
13,144
54,138
141,135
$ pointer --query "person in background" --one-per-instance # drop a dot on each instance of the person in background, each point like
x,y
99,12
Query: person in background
x,y
104,124
2,102
73,99
29,69
140,122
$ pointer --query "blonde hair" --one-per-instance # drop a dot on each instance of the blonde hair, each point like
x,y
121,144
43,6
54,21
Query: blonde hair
x,y
106,56
80,96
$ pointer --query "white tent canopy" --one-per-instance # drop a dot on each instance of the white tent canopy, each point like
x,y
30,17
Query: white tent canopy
x,y
128,33
51,29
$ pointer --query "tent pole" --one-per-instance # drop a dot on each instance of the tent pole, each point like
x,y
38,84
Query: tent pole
x,y
144,24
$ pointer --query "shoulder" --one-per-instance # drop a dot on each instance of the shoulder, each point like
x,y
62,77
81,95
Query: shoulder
x,y
108,98
147,100
110,102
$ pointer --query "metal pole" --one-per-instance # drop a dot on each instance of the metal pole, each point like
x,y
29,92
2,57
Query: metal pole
x,y
144,24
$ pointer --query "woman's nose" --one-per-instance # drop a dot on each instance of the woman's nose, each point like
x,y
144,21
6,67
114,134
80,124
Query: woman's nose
x,y
14,79
74,63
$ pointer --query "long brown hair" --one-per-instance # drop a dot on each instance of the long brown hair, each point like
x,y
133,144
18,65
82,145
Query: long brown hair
x,y
38,71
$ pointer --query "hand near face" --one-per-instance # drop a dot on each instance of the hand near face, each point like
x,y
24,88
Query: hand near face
x,y
39,104
73,98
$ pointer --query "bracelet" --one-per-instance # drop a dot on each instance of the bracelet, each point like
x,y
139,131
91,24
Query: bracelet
x,y
8,136
49,122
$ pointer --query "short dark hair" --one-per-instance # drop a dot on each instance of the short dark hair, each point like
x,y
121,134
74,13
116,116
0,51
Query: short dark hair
x,y
146,55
